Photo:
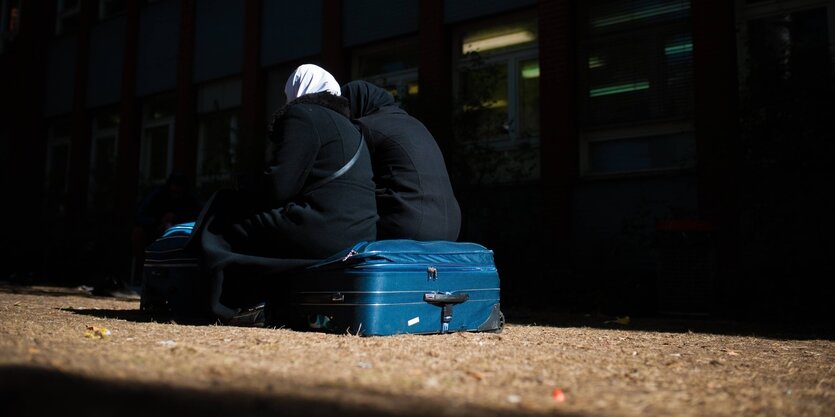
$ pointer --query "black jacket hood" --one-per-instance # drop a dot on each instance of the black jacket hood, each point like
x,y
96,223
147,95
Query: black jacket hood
x,y
366,98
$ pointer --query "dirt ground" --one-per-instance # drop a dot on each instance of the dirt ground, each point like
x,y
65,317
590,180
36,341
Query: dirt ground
x,y
52,362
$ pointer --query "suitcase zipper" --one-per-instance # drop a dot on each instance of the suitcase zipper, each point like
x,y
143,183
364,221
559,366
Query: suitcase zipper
x,y
350,254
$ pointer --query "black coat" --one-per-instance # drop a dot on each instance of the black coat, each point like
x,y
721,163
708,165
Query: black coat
x,y
279,221
414,195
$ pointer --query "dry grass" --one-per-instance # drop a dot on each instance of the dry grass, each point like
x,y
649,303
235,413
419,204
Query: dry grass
x,y
48,364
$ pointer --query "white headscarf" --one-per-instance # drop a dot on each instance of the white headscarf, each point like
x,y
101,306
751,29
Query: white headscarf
x,y
308,79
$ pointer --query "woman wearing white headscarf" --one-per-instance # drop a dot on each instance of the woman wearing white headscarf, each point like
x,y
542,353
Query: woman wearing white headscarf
x,y
296,211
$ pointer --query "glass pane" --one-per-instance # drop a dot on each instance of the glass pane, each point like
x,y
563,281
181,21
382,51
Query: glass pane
x,y
619,81
400,58
499,38
219,144
107,120
529,99
160,108
68,5
70,23
404,88
157,139
483,103
619,14
636,154
678,70
112,7
62,129
641,77
103,174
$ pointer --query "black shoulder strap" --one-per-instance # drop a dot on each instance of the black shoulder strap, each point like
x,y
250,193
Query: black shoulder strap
x,y
340,171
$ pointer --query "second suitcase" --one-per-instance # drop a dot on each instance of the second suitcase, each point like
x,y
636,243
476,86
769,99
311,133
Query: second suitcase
x,y
172,285
393,286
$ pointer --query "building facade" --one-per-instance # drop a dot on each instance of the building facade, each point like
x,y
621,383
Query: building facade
x,y
618,155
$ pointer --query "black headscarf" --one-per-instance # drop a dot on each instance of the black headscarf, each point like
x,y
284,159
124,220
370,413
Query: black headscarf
x,y
366,98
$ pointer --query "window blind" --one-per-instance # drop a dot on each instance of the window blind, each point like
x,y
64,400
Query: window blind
x,y
637,60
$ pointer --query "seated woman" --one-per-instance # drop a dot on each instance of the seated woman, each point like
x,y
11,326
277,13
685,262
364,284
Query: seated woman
x,y
414,195
314,199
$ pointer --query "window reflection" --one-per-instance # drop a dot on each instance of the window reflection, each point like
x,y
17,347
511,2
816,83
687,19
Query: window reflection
x,y
393,67
484,103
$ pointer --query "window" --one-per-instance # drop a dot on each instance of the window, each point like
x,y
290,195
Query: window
x,y
102,190
392,66
9,21
636,60
498,83
57,167
157,149
218,145
496,116
67,16
110,8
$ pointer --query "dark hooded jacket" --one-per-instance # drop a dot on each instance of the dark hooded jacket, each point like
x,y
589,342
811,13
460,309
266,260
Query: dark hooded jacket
x,y
283,219
414,195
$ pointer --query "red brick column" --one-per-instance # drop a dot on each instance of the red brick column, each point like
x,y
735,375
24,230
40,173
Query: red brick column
x,y
127,167
435,72
79,168
333,55
717,129
559,127
253,94
185,132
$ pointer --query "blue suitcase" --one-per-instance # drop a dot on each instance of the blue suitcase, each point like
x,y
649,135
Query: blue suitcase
x,y
391,287
172,285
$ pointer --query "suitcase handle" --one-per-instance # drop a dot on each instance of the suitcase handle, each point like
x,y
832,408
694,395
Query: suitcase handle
x,y
441,298
445,301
